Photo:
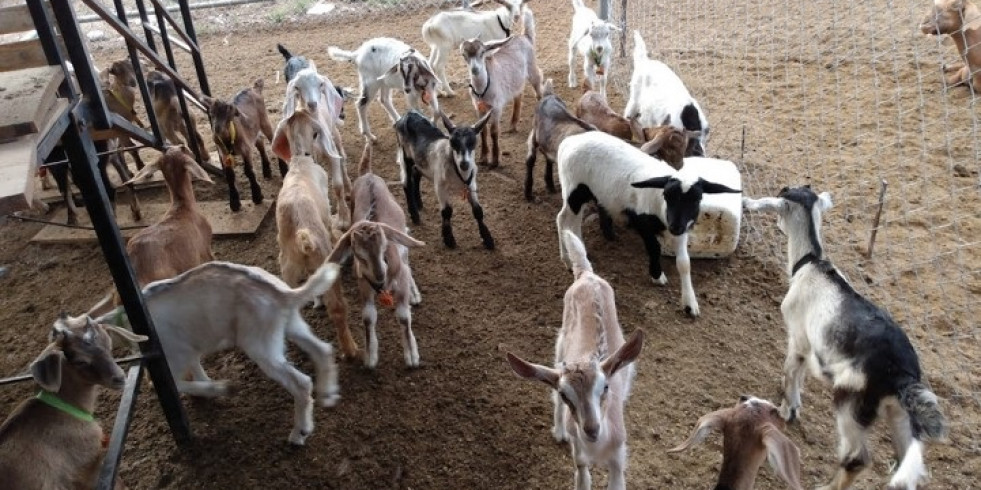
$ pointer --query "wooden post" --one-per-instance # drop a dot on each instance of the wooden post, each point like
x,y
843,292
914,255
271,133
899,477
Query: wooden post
x,y
878,215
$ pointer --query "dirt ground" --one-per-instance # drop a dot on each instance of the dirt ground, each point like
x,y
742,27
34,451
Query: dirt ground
x,y
463,420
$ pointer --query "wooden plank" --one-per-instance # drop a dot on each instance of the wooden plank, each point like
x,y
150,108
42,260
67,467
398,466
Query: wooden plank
x,y
223,222
52,196
15,18
18,164
22,54
26,97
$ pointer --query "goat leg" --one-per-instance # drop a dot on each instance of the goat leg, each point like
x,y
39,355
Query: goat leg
x,y
410,349
606,223
478,214
495,135
447,229
515,115
549,182
337,310
411,188
266,166
233,199
484,149
250,174
645,226
530,166
283,168
60,174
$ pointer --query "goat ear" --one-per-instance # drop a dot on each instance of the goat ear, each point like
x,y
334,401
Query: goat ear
x,y
709,422
124,334
257,85
197,172
46,369
208,102
614,27
763,204
714,188
341,249
824,201
529,370
280,143
655,144
491,47
479,125
145,173
626,354
446,122
655,183
783,455
391,71
400,237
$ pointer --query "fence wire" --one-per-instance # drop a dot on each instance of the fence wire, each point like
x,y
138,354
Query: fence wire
x,y
844,95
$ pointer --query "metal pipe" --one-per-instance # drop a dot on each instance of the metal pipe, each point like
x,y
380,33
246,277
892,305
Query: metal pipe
x,y
173,8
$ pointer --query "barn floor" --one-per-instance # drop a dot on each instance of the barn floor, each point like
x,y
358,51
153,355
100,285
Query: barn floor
x,y
462,420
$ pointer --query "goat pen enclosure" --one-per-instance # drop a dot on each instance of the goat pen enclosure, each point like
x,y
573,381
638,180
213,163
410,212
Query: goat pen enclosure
x,y
836,95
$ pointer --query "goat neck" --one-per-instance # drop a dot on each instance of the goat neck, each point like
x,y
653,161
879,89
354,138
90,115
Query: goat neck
x,y
802,225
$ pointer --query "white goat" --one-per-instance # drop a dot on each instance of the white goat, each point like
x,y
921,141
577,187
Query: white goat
x,y
385,64
219,305
318,96
752,433
657,94
498,72
445,31
614,187
51,441
590,37
852,344
592,374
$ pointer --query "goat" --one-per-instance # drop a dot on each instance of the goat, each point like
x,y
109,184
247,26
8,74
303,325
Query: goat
x,y
425,151
593,108
498,71
553,123
305,228
236,127
851,343
445,31
674,205
219,305
60,173
119,91
379,242
52,440
961,20
317,95
656,94
590,37
163,93
296,63
591,384
752,432
385,64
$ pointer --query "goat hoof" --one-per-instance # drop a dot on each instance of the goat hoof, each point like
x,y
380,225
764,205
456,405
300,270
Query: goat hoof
x,y
489,244
328,400
691,311
660,281
236,206
789,414
299,437
257,199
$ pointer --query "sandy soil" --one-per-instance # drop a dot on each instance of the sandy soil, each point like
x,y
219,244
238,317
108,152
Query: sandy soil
x,y
463,420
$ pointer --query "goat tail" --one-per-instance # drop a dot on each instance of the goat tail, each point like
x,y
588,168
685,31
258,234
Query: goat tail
x,y
577,254
338,54
283,51
304,240
640,47
317,284
926,421
529,24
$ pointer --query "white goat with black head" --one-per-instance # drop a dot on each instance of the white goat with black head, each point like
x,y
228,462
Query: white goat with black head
x,y
385,64
447,161
852,344
590,37
592,374
619,186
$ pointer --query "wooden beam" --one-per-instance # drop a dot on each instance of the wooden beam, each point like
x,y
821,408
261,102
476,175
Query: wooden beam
x,y
22,54
15,18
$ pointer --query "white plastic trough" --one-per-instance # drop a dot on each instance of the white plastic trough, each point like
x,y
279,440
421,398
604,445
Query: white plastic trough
x,y
716,232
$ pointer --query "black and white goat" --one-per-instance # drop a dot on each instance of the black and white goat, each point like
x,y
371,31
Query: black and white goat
x,y
447,161
851,343
657,93
616,184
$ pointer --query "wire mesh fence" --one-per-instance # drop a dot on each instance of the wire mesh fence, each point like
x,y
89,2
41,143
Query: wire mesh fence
x,y
845,96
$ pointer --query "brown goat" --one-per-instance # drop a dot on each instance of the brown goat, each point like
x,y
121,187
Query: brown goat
x,y
163,92
553,123
961,20
236,128
594,109
752,433
43,445
120,95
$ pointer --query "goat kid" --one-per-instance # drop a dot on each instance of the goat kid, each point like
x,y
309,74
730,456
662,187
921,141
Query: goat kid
x,y
673,205
657,93
552,124
851,343
119,91
52,440
591,384
961,20
498,71
166,106
590,37
448,161
385,64
445,31
752,431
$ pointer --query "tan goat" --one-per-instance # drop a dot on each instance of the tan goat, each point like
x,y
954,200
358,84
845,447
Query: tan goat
x,y
163,92
961,20
51,441
752,433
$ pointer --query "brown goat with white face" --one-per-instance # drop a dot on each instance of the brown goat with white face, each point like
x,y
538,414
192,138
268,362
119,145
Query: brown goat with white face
x,y
52,440
961,20
752,433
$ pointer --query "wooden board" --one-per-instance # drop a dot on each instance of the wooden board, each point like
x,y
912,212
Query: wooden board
x,y
52,196
223,221
18,164
22,54
15,18
26,97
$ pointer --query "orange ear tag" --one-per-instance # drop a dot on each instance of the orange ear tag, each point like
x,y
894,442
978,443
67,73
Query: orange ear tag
x,y
385,298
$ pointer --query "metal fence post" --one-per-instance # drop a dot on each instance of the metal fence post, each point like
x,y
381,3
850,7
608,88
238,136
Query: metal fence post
x,y
604,9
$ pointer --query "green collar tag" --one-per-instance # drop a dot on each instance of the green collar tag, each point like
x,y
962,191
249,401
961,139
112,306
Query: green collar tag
x,y
53,401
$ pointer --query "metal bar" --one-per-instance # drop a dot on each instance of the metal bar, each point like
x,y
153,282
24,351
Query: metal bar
x,y
623,28
27,377
179,44
173,25
604,9
134,59
78,51
144,18
196,55
81,152
165,40
173,8
117,440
